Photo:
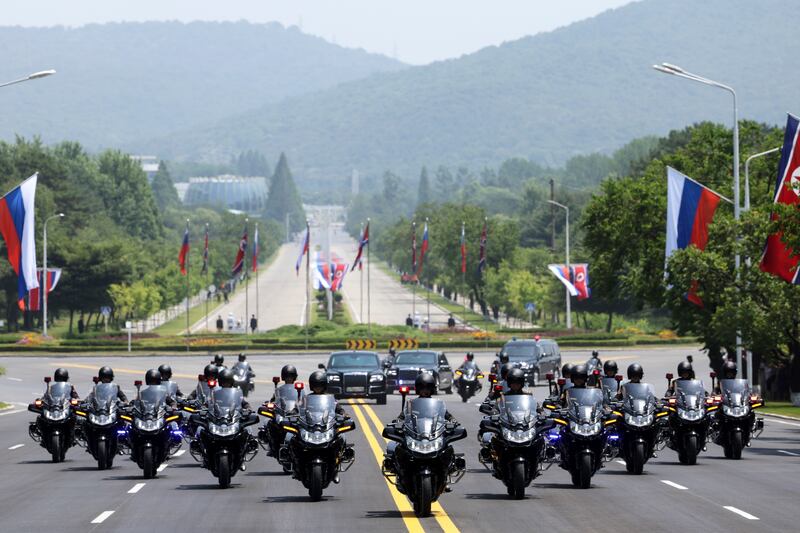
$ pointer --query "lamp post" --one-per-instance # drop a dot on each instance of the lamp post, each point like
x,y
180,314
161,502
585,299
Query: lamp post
x,y
43,290
34,76
566,209
675,70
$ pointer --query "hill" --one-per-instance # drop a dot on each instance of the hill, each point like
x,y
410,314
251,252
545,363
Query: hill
x,y
123,81
583,88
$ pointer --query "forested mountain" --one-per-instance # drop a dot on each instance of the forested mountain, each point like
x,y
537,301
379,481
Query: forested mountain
x,y
118,82
580,89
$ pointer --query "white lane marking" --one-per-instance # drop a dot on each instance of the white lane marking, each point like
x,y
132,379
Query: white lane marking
x,y
673,484
623,463
99,519
14,379
771,420
4,413
179,453
136,488
162,467
781,451
14,447
740,512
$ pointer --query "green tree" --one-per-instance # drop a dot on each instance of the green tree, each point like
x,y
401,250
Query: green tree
x,y
284,200
424,188
163,189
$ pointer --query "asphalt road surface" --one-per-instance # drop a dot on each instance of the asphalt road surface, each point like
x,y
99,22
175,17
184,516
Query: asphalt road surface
x,y
759,492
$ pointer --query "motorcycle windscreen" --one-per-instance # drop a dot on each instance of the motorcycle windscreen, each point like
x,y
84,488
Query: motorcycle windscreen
x,y
638,398
469,370
104,397
58,392
610,384
225,403
517,409
690,393
735,392
585,405
153,399
240,371
286,397
425,418
318,409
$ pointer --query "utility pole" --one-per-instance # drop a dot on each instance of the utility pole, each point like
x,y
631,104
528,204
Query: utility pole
x,y
552,215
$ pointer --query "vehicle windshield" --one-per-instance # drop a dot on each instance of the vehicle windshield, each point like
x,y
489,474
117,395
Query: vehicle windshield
x,y
104,396
690,393
425,418
639,398
585,405
58,392
318,410
517,410
424,359
521,351
240,370
152,399
353,360
735,392
226,403
286,396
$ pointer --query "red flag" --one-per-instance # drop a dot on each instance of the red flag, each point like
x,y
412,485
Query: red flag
x,y
361,244
463,251
238,263
184,253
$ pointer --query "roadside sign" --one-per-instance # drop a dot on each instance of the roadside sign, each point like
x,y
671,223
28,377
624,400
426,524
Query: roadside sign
x,y
530,307
105,311
128,324
360,344
212,288
404,344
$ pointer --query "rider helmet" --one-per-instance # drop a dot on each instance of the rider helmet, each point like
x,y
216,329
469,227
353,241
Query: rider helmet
x,y
152,377
61,374
685,370
635,371
165,371
610,368
225,378
425,384
729,370
515,379
318,382
288,373
579,375
105,374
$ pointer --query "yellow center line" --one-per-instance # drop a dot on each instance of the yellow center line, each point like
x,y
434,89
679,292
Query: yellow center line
x,y
412,523
436,508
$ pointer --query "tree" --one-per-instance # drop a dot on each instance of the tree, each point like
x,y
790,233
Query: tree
x,y
163,189
424,188
284,200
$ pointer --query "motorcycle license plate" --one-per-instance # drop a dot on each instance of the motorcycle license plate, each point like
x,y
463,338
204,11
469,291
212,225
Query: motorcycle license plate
x,y
355,389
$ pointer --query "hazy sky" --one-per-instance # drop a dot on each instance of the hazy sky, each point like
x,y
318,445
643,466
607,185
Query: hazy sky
x,y
416,31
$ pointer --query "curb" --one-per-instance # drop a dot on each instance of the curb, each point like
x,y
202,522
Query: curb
x,y
784,417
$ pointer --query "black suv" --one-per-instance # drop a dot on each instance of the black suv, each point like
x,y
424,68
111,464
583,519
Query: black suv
x,y
408,364
356,375
534,357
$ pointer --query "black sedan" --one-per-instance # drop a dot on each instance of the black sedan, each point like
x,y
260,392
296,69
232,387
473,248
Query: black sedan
x,y
356,375
408,364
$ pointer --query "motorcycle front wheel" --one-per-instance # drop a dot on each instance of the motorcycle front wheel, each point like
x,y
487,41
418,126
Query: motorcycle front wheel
x,y
148,464
516,487
224,470
582,477
736,445
635,463
422,503
315,483
689,455
55,448
101,455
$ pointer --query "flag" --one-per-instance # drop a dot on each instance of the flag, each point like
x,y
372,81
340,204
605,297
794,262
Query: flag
x,y
413,248
463,251
255,249
778,259
423,248
184,253
238,263
205,253
690,208
322,273
36,296
303,250
16,225
338,272
482,251
361,244
576,279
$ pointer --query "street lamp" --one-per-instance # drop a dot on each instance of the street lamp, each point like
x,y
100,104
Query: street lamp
x,y
34,76
43,290
569,311
747,174
675,70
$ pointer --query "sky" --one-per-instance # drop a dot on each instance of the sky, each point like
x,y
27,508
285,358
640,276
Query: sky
x,y
414,31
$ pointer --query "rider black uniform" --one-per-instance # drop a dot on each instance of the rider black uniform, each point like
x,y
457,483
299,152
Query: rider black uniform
x,y
635,375
318,383
226,382
152,378
685,373
288,375
106,375
210,373
166,379
61,375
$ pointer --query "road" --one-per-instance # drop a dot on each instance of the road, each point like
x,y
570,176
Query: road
x,y
37,495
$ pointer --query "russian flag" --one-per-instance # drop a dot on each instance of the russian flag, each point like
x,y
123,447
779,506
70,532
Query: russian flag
x,y
184,253
36,296
423,248
690,209
16,225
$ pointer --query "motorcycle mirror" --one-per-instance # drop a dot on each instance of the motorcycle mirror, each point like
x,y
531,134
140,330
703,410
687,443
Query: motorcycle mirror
x,y
595,372
276,380
549,376
95,379
137,383
47,379
561,382
618,378
669,376
713,375
690,359
498,388
321,366
201,377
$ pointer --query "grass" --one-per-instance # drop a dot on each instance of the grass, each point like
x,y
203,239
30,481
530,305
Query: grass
x,y
2,371
781,408
4,405
177,325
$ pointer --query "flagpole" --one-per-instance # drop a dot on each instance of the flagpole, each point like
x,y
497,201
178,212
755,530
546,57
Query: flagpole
x,y
369,299
205,263
463,270
414,273
361,281
258,302
308,265
188,326
429,294
246,282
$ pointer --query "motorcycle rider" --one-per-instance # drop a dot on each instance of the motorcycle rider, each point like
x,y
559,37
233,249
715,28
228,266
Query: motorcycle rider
x,y
498,363
685,373
226,382
218,361
318,383
469,362
424,386
289,376
610,368
203,389
61,375
106,375
243,363
152,378
579,378
166,379
635,375
729,371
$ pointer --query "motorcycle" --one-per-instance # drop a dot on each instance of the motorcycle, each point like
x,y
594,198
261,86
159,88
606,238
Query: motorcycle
x,y
316,448
421,461
736,423
583,442
225,442
148,435
243,378
517,445
641,428
100,425
468,383
272,434
688,419
54,428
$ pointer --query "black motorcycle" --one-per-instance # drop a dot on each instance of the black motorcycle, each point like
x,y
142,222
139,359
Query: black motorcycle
x,y
735,421
54,428
584,441
148,434
316,448
100,425
272,434
469,381
641,428
688,420
421,461
243,378
517,445
225,442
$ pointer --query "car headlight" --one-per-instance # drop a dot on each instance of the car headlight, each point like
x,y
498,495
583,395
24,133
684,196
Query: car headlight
x,y
585,430
316,437
101,420
424,445
691,414
148,425
519,435
334,377
375,378
55,414
391,372
736,410
223,430
638,420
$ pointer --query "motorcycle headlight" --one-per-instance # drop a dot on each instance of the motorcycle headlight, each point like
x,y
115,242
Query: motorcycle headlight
x,y
316,437
691,414
223,430
376,378
585,430
736,410
334,377
424,445
101,420
519,435
638,420
148,425
55,414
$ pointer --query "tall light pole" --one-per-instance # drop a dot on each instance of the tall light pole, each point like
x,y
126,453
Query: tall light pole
x,y
675,70
569,310
34,76
43,290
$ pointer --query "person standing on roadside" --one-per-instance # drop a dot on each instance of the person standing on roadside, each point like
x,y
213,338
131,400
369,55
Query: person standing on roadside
x,y
253,323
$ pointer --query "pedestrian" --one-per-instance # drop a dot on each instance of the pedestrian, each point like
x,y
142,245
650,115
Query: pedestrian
x,y
451,322
417,320
253,323
220,324
231,322
409,321
81,326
